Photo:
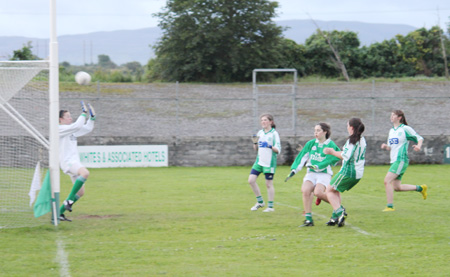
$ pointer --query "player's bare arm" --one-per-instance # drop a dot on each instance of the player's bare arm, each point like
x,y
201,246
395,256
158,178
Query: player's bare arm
x,y
417,147
331,151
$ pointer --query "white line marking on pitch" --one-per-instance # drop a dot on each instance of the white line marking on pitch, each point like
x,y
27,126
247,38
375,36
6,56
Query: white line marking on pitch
x,y
357,229
62,258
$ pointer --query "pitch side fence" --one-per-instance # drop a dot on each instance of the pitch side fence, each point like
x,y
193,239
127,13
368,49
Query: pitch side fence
x,y
211,125
190,110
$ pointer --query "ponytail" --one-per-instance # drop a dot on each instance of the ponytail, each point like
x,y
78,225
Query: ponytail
x,y
358,129
402,114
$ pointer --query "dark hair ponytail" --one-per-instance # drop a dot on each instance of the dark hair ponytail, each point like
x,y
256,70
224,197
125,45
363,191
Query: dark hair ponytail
x,y
402,114
358,129
326,128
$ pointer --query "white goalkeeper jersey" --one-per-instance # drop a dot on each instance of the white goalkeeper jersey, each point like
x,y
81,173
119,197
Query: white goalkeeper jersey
x,y
398,141
68,134
266,157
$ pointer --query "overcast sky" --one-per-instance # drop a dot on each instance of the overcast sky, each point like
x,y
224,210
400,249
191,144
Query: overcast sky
x,y
30,18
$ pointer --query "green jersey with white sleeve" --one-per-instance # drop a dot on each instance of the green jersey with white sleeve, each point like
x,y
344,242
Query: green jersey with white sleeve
x,y
266,157
398,141
312,154
353,159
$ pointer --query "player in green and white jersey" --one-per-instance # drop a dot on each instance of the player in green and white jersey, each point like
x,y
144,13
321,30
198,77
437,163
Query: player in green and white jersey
x,y
398,141
352,170
318,175
267,143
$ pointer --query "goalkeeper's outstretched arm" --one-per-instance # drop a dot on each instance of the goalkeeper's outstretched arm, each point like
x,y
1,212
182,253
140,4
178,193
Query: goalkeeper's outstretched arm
x,y
91,111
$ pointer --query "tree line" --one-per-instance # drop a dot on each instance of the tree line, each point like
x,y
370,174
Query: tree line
x,y
105,70
223,41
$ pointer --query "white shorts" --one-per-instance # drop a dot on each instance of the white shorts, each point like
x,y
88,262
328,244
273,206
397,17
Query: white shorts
x,y
318,178
73,171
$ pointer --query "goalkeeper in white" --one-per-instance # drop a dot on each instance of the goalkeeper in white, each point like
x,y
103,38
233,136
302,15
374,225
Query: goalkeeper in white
x,y
69,158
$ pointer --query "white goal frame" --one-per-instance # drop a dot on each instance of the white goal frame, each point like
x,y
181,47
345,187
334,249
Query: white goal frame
x,y
257,94
52,143
54,115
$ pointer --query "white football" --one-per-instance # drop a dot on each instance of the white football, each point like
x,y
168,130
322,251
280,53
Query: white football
x,y
83,78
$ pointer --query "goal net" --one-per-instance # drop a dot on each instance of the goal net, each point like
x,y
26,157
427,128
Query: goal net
x,y
24,120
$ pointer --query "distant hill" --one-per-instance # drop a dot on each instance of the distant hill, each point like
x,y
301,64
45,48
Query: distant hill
x,y
134,45
121,46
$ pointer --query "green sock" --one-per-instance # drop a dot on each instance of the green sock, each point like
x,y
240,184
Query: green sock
x,y
390,205
308,216
62,209
334,215
270,204
76,187
76,198
419,188
339,211
259,199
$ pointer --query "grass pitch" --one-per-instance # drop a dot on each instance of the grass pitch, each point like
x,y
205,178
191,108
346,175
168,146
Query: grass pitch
x,y
197,222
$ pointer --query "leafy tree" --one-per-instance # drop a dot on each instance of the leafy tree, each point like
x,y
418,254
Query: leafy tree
x,y
133,66
293,56
153,71
422,50
216,40
134,69
384,59
320,57
24,54
105,62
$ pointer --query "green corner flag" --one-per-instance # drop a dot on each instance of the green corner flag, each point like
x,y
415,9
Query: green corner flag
x,y
43,203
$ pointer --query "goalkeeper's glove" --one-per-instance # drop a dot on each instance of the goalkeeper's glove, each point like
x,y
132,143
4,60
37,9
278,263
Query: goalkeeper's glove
x,y
312,167
255,139
83,107
290,175
264,144
91,111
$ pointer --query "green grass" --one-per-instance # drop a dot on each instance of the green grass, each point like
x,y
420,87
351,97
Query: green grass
x,y
181,221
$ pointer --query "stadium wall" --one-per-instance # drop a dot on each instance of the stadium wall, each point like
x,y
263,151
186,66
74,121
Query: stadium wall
x,y
238,151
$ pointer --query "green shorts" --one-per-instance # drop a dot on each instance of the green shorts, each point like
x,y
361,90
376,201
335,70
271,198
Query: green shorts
x,y
263,169
399,168
342,183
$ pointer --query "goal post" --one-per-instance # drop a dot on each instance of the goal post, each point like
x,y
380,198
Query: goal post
x,y
283,90
54,115
24,139
29,137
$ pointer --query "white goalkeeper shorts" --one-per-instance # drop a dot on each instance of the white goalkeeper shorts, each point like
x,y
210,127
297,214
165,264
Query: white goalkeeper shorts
x,y
72,169
318,178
